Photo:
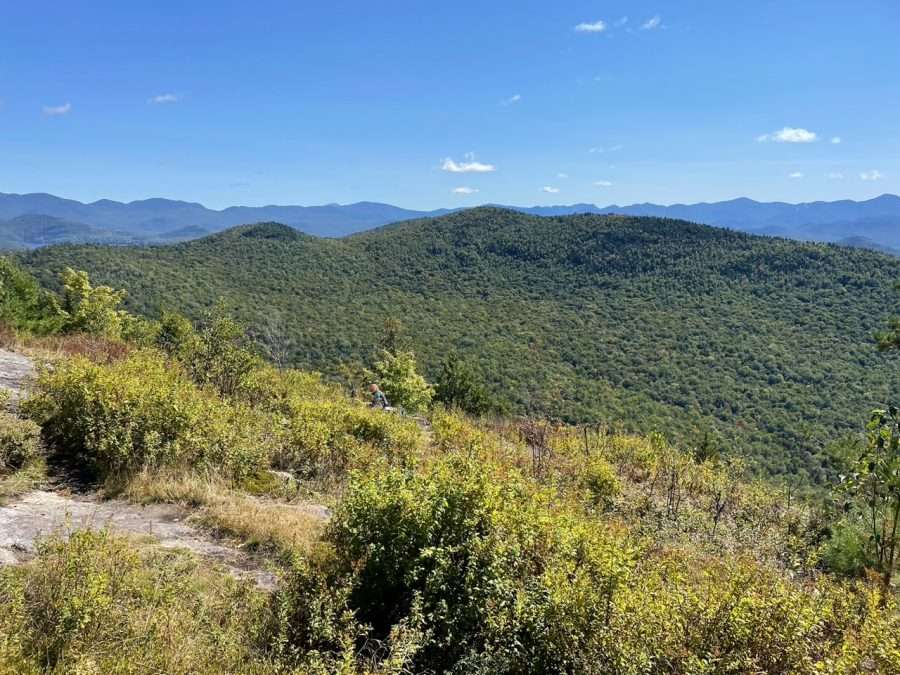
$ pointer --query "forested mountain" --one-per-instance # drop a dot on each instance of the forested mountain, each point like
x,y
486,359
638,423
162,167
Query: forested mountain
x,y
874,223
763,345
34,230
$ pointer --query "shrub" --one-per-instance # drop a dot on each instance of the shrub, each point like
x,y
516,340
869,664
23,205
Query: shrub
x,y
218,354
396,373
459,386
601,482
500,587
322,431
846,552
19,442
143,411
95,604
90,309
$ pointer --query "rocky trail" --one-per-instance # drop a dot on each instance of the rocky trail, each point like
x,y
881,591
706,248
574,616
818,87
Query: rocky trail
x,y
15,371
38,513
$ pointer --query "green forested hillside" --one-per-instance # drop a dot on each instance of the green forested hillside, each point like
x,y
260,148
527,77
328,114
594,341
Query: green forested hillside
x,y
763,345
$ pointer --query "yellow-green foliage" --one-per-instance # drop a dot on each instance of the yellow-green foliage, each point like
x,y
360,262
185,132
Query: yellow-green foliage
x,y
501,575
324,431
92,309
503,581
19,442
143,411
601,482
95,604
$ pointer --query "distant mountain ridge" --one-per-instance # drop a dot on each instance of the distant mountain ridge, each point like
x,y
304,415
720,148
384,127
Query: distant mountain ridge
x,y
160,220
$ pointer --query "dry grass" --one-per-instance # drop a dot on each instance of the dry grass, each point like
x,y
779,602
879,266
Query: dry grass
x,y
26,479
260,523
54,347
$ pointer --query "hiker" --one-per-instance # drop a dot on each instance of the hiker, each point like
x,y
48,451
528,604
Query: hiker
x,y
379,400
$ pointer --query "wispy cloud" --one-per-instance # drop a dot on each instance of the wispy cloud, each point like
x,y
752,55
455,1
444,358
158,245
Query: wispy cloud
x,y
562,175
515,98
56,110
464,190
603,183
835,140
795,174
621,22
652,23
591,27
600,149
835,175
470,166
165,98
874,174
789,135
552,190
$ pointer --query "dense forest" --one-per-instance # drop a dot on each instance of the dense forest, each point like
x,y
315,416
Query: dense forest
x,y
761,345
392,544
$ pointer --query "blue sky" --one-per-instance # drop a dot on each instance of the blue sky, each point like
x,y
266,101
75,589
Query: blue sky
x,y
531,102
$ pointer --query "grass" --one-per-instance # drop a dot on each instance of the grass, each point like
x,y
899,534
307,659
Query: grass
x,y
30,477
260,523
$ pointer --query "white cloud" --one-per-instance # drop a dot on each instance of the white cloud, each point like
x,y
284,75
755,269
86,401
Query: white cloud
x,y
603,183
835,175
470,166
165,98
601,149
551,190
835,140
795,174
562,175
652,23
56,110
515,98
595,27
465,190
874,174
789,135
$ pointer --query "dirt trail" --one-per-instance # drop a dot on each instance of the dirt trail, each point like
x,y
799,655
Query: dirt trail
x,y
39,513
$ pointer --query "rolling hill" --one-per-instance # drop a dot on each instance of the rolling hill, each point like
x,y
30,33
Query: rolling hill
x,y
763,343
874,223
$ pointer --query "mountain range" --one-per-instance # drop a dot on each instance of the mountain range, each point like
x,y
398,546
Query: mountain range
x,y
34,220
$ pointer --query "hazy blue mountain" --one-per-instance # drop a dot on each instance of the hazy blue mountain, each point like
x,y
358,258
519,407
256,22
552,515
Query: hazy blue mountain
x,y
164,220
864,242
36,230
876,219
154,219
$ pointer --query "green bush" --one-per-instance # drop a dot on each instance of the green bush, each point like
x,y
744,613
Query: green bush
x,y
96,604
218,354
499,587
396,374
20,442
458,385
847,551
92,309
143,411
601,482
